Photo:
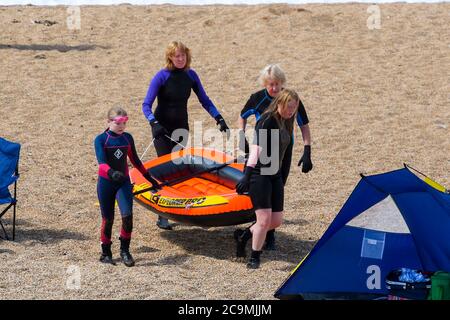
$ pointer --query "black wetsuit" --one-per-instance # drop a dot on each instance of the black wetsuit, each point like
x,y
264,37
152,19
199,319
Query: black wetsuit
x,y
266,183
256,105
173,89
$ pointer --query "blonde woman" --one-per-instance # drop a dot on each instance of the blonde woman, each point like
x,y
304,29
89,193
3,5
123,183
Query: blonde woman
x,y
272,78
172,86
263,177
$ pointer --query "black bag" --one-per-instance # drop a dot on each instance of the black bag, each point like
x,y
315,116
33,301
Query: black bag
x,y
407,290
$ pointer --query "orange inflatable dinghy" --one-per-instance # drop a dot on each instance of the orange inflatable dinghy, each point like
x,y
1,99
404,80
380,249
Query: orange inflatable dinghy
x,y
198,188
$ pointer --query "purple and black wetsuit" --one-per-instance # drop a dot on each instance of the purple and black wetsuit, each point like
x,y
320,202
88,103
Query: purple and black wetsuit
x,y
112,150
173,89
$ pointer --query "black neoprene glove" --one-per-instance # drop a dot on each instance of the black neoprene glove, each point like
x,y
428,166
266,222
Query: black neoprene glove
x,y
306,160
243,143
222,124
150,179
244,183
158,130
116,176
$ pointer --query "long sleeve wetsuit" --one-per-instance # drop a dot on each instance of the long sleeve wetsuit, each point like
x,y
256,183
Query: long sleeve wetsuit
x,y
172,88
112,151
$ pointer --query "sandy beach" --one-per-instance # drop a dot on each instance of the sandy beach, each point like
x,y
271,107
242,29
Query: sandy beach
x,y
375,99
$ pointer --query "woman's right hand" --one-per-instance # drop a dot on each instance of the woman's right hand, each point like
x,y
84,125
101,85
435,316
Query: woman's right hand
x,y
243,143
158,130
244,183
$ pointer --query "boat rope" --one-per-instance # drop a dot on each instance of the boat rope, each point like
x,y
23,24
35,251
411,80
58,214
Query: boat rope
x,y
142,156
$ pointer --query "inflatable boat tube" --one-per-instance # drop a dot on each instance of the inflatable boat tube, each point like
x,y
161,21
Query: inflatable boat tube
x,y
199,195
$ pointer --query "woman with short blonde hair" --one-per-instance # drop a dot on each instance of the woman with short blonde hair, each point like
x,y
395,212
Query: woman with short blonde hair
x,y
272,72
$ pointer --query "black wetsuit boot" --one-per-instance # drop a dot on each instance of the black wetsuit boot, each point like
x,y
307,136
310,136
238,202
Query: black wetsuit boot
x,y
106,256
163,223
270,240
242,237
125,255
254,261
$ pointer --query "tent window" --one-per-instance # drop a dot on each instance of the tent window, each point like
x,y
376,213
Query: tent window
x,y
373,244
384,216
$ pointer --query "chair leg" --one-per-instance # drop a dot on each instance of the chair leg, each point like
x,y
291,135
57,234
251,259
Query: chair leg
x,y
4,231
1,223
15,203
14,222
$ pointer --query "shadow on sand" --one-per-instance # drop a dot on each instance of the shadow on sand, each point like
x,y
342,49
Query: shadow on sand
x,y
6,251
46,47
174,260
35,236
220,244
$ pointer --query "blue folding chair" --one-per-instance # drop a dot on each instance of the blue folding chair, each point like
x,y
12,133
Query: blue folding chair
x,y
9,173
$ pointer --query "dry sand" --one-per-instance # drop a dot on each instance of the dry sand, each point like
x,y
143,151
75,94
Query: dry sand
x,y
375,98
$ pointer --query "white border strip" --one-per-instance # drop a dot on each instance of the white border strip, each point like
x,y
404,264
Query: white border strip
x,y
196,2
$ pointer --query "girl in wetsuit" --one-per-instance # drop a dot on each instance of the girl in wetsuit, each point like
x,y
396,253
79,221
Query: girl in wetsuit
x,y
273,79
263,172
172,86
112,147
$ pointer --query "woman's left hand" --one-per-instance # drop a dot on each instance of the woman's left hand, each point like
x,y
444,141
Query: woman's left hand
x,y
306,160
150,179
222,125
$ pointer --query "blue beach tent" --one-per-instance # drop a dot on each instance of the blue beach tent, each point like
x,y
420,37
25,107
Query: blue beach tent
x,y
390,221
